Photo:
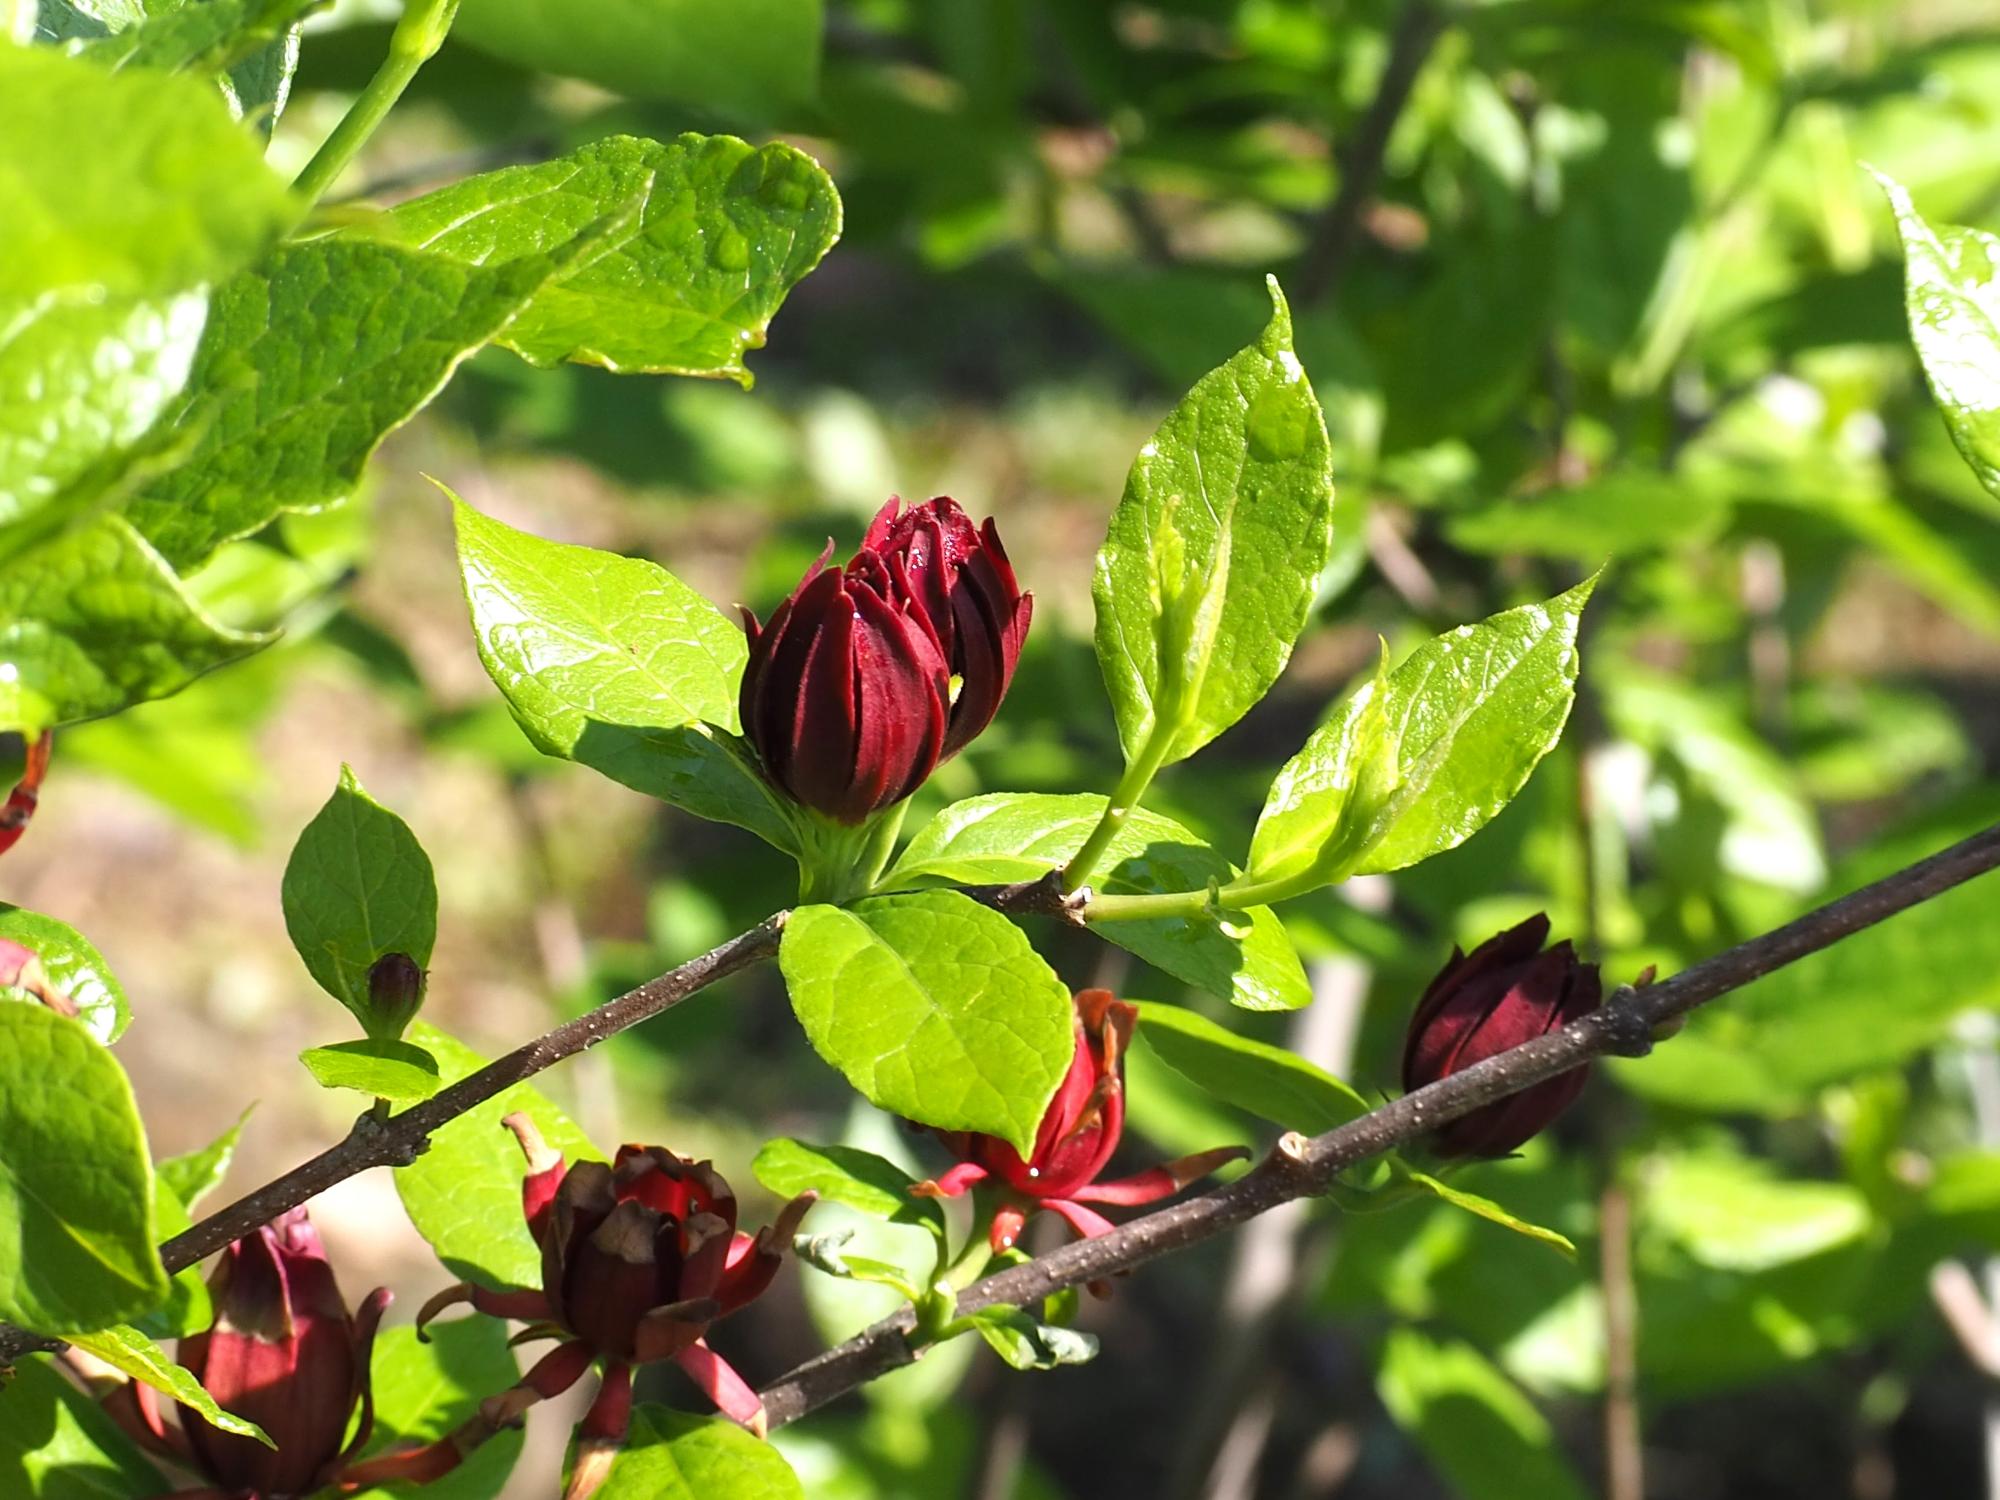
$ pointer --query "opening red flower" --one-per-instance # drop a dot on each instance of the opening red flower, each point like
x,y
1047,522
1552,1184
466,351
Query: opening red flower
x,y
639,1258
21,802
1074,1143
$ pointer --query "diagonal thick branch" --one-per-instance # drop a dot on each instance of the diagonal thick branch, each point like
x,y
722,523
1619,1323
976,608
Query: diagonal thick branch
x,y
1624,1026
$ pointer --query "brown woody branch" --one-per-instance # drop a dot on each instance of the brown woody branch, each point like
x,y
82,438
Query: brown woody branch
x,y
401,1139
1624,1026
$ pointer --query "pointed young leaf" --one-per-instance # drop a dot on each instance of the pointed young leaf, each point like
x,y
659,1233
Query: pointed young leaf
x,y
400,1072
77,1227
464,1193
357,888
193,1175
1459,725
726,232
73,966
1212,557
127,1349
1009,836
1255,1077
672,1455
96,621
1027,1343
614,662
934,1007
1493,1213
1953,301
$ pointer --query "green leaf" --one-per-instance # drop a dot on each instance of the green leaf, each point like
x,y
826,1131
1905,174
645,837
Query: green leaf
x,y
1010,836
464,1193
76,1182
1487,1209
357,888
726,231
397,1071
1210,564
96,621
1466,716
1262,1080
1474,1423
212,36
614,662
934,1007
58,1444
193,1175
672,1455
310,361
751,59
129,1350
1733,1213
153,191
1625,513
72,966
1027,1343
845,1174
1953,300
80,380
424,1390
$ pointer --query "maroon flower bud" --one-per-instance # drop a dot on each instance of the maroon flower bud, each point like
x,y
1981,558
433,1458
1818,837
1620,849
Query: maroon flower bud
x,y
1075,1141
638,1259
21,802
961,580
848,697
1505,992
395,994
283,1353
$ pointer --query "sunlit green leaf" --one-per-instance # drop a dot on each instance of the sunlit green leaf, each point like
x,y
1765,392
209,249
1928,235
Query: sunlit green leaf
x,y
129,1350
1213,554
397,1071
74,967
672,1455
1263,1080
1011,836
686,289
934,1007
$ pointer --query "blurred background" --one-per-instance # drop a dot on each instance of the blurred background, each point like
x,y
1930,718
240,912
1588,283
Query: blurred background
x,y
1575,282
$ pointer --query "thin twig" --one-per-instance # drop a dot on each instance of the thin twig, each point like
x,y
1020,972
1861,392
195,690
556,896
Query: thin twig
x,y
1623,1026
400,1139
1339,228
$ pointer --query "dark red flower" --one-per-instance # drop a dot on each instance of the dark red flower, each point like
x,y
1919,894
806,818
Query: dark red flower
x,y
283,1353
869,675
1505,992
638,1259
21,802
1076,1139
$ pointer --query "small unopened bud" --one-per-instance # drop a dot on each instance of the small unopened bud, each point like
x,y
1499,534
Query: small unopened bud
x,y
395,994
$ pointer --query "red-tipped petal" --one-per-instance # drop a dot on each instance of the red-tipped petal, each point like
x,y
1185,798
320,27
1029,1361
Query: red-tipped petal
x,y
1086,1222
1155,1183
952,1183
731,1393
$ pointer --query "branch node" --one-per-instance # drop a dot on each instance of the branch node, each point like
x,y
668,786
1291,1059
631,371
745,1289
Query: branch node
x,y
1625,1029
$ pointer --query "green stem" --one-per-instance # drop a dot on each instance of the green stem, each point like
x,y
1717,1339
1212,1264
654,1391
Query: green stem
x,y
839,862
1131,787
416,39
1232,897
